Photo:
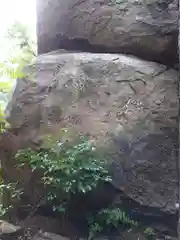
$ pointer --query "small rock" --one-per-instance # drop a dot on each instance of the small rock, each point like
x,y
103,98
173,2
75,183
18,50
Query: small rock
x,y
7,228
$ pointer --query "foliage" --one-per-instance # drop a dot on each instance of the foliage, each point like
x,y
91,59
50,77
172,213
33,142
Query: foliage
x,y
3,122
22,52
116,216
5,87
21,35
113,218
109,217
68,169
149,231
13,191
94,229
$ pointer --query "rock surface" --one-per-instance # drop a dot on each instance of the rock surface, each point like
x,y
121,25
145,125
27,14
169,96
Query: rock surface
x,y
147,29
7,228
122,102
50,236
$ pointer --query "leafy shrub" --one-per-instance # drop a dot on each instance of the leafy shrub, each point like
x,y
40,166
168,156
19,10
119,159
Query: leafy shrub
x,y
113,218
67,169
13,191
109,217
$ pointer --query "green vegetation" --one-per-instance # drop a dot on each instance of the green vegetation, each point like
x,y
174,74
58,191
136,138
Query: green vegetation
x,y
68,169
108,218
113,218
149,231
12,190
22,53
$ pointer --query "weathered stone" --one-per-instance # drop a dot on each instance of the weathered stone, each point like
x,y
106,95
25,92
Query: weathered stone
x,y
9,231
50,236
126,103
147,29
8,228
51,225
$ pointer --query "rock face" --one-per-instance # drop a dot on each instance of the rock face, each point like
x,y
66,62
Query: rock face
x,y
50,236
147,29
124,102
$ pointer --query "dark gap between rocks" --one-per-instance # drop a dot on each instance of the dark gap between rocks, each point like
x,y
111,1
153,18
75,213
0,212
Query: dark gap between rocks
x,y
169,58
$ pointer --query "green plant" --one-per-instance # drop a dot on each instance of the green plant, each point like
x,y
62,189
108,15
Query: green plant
x,y
5,87
23,51
22,38
13,191
67,169
113,217
149,231
109,217
4,210
94,229
116,216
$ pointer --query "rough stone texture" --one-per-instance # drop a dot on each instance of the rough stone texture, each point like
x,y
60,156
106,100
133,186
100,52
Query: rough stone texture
x,y
144,28
43,228
119,101
7,228
50,236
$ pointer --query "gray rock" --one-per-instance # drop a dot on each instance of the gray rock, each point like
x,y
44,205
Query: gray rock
x,y
144,28
50,236
8,228
117,100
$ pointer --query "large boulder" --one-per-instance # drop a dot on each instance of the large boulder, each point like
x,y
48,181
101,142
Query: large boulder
x,y
121,102
145,28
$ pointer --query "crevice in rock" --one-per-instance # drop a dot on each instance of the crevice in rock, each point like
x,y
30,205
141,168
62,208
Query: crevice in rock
x,y
168,57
